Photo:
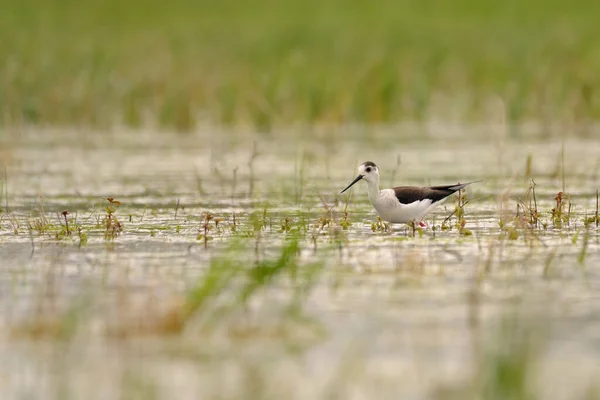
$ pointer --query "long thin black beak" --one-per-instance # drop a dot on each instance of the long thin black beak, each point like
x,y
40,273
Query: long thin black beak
x,y
358,178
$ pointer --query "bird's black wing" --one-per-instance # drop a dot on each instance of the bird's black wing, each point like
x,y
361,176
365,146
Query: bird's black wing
x,y
410,194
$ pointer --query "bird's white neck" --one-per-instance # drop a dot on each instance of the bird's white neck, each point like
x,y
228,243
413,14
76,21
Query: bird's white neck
x,y
373,190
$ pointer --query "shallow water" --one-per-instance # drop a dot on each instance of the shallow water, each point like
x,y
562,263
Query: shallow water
x,y
383,314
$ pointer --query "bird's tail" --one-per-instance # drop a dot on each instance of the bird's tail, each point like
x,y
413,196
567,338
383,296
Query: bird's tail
x,y
460,186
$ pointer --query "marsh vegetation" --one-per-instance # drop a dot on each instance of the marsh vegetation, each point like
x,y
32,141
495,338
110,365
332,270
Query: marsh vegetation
x,y
271,64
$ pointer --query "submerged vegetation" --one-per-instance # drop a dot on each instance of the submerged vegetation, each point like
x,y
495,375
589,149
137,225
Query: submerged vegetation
x,y
336,220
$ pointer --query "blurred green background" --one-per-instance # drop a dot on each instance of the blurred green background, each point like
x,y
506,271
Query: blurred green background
x,y
269,63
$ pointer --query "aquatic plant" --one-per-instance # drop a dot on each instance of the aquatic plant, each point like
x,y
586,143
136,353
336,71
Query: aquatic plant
x,y
559,215
112,225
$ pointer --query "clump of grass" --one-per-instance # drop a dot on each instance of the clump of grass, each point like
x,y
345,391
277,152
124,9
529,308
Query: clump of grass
x,y
65,228
83,237
508,362
520,225
533,213
459,214
345,222
40,224
112,226
14,222
259,220
561,213
286,225
326,219
512,232
205,229
505,363
461,221
265,271
380,225
327,223
415,227
528,215
227,288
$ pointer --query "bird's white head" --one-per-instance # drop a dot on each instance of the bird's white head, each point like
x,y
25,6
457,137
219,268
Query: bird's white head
x,y
367,171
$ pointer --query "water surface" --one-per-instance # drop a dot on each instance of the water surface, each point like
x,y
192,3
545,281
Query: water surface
x,y
380,313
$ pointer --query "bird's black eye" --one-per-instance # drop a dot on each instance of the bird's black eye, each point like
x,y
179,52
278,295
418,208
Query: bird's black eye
x,y
368,169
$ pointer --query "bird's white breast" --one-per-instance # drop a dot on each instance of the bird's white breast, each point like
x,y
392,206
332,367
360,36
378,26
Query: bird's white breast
x,y
390,209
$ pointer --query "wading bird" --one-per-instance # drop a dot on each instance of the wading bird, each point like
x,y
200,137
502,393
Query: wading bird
x,y
402,204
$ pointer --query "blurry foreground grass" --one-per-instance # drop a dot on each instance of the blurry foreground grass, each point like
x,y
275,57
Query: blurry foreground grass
x,y
274,63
